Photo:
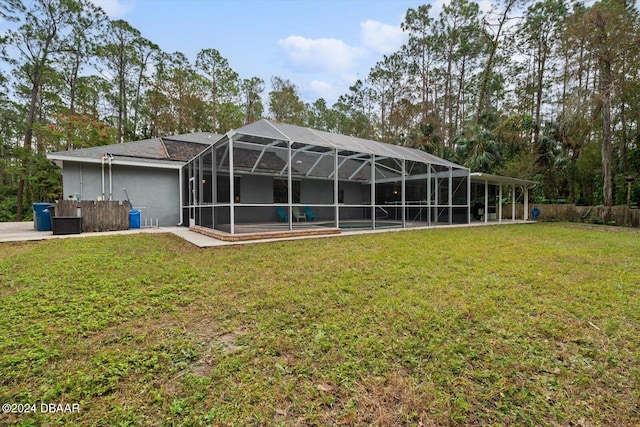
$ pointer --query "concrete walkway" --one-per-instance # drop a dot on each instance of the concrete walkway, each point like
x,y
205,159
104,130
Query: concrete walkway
x,y
24,231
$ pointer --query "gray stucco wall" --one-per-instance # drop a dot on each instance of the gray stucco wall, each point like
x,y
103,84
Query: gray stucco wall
x,y
316,191
256,189
156,192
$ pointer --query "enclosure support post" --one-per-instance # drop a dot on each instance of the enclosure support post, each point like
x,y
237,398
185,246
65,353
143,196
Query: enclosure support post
x,y
404,198
373,191
486,201
289,185
525,215
336,191
232,190
513,203
468,197
214,187
429,207
450,209
500,203
181,196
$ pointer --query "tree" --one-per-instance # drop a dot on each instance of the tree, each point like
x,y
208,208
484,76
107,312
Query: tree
x,y
120,56
251,90
285,104
458,47
222,82
183,88
607,28
43,34
493,34
355,111
541,29
389,86
419,51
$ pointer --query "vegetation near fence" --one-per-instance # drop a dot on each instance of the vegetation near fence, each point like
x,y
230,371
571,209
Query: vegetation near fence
x,y
612,215
97,215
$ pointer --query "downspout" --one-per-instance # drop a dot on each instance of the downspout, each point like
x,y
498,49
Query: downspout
x,y
104,156
110,156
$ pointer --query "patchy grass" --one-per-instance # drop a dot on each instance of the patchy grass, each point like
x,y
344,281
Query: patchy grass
x,y
512,325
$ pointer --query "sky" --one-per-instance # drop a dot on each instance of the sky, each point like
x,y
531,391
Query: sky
x,y
322,46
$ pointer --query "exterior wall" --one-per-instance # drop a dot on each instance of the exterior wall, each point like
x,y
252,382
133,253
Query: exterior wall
x,y
256,189
156,192
316,191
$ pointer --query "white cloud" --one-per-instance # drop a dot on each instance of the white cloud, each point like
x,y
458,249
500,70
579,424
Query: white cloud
x,y
382,38
115,9
328,91
319,55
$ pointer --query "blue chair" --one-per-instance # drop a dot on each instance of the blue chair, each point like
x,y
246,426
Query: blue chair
x,y
283,216
310,214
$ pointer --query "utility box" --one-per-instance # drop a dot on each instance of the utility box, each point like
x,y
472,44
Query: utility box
x,y
66,225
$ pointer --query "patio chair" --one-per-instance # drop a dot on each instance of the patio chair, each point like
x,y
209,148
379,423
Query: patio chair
x,y
283,216
311,215
297,214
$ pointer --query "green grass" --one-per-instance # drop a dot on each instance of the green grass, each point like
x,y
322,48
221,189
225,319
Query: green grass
x,y
513,325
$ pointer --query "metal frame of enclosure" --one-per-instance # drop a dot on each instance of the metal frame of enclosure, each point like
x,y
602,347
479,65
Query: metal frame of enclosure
x,y
273,176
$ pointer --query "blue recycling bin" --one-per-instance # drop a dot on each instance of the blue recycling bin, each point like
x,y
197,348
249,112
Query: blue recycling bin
x,y
535,212
42,216
134,218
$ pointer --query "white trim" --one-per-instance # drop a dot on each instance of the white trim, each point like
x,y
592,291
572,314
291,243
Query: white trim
x,y
120,161
497,179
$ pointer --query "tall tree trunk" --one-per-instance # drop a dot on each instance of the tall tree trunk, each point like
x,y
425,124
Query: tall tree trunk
x,y
28,142
540,65
483,96
605,93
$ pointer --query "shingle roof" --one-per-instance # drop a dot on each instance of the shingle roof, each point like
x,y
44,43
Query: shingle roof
x,y
177,148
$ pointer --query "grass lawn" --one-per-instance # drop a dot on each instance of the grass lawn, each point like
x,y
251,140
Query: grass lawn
x,y
511,325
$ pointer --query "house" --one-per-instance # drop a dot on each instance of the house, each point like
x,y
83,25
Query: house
x,y
149,170
269,176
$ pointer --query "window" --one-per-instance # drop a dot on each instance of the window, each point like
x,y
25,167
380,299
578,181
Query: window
x,y
280,191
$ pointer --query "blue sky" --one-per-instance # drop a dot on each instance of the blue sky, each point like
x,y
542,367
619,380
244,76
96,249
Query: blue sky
x,y
321,46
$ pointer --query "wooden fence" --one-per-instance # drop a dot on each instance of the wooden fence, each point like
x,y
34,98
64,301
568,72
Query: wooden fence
x,y
97,215
614,215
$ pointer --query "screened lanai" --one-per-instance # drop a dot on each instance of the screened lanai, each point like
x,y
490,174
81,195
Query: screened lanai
x,y
272,176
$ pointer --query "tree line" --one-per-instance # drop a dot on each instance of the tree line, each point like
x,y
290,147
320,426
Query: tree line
x,y
545,90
